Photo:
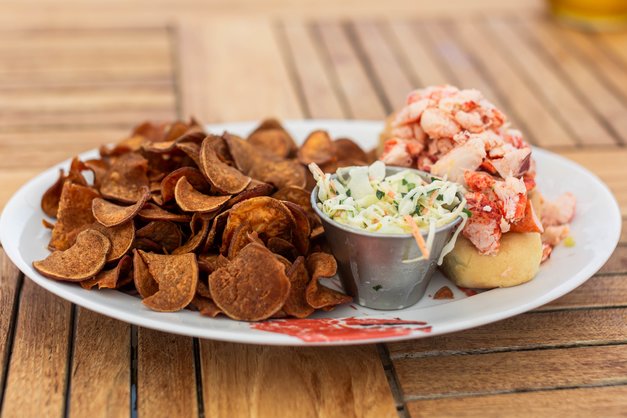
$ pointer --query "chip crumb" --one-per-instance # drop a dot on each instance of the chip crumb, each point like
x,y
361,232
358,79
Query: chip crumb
x,y
444,293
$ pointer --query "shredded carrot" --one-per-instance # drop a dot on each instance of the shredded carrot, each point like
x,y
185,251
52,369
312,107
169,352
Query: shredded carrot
x,y
415,231
391,194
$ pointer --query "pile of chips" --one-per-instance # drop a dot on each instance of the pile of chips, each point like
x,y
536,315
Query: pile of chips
x,y
186,219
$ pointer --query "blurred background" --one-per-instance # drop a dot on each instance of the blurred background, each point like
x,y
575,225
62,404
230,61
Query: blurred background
x,y
76,73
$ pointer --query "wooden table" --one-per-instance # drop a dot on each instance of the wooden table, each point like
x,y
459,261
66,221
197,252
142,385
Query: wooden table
x,y
67,85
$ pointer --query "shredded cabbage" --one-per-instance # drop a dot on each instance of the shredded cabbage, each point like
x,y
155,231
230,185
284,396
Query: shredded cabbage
x,y
364,198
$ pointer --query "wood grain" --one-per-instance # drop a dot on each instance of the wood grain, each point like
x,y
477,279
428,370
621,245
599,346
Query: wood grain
x,y
597,292
459,375
380,56
609,165
591,51
256,381
41,150
564,103
571,403
516,93
601,99
35,385
322,96
362,99
10,282
232,69
100,379
522,332
166,382
415,52
142,14
617,262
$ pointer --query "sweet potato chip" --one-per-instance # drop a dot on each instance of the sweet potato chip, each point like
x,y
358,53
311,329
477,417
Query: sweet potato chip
x,y
113,278
192,150
207,263
176,276
166,234
224,178
191,200
148,245
152,212
264,166
239,240
320,265
205,306
275,141
346,149
302,230
318,148
282,247
281,173
214,237
296,304
47,224
194,177
198,238
252,287
110,214
84,259
126,179
265,215
52,196
120,236
301,197
254,189
144,283
202,288
74,215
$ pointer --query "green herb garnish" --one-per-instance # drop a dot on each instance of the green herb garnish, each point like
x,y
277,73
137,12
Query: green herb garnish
x,y
377,287
467,212
380,194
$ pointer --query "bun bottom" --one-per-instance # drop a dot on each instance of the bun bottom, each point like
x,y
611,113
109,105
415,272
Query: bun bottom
x,y
517,261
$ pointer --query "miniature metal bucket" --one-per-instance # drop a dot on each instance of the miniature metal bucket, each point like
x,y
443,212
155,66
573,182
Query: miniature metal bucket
x,y
371,266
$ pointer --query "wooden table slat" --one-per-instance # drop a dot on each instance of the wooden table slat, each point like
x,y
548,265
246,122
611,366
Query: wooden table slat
x,y
10,284
101,367
597,95
572,403
37,376
548,83
225,76
539,122
385,65
527,331
362,98
416,53
276,381
444,376
322,96
597,292
166,380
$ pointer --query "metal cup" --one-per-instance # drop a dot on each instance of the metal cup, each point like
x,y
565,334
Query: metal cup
x,y
371,266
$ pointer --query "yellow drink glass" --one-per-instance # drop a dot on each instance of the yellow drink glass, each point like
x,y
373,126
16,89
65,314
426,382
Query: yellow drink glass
x,y
592,14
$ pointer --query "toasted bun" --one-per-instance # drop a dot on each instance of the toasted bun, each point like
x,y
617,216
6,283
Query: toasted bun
x,y
518,261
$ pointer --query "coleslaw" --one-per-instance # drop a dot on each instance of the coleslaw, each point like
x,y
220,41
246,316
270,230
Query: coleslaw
x,y
406,202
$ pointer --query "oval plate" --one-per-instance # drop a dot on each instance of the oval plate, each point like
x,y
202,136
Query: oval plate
x,y
596,230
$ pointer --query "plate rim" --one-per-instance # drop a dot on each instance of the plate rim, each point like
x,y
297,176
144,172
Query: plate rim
x,y
269,338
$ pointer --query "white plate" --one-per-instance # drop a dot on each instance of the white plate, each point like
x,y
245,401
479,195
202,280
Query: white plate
x,y
596,230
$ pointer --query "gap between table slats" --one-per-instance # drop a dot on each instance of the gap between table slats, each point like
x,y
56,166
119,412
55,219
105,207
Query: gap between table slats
x,y
11,281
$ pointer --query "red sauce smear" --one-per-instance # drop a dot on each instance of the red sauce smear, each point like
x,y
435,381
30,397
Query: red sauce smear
x,y
347,329
468,292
